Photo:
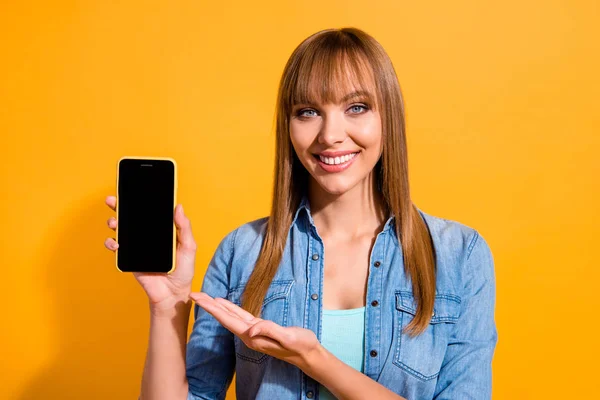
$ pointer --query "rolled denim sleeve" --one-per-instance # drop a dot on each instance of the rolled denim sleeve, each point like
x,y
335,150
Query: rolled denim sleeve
x,y
210,353
466,371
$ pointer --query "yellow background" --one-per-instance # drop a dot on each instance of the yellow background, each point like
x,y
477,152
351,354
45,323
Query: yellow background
x,y
502,117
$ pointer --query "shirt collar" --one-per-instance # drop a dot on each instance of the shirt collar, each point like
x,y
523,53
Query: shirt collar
x,y
304,205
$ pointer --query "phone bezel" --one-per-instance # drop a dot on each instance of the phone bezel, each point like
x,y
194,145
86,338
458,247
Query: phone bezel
x,y
174,205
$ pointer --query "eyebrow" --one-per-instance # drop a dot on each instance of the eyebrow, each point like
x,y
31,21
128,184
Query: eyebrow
x,y
359,93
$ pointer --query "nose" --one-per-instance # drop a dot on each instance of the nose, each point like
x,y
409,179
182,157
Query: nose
x,y
333,130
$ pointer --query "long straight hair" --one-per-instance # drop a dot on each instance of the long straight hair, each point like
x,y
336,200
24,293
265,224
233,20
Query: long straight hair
x,y
322,68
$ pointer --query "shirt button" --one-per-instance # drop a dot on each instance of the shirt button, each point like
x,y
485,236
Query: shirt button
x,y
314,296
377,264
374,303
309,395
373,353
315,257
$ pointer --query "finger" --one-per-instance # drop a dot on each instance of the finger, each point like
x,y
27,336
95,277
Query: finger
x,y
112,223
264,344
111,244
111,201
269,329
224,308
234,308
199,296
184,229
232,322
195,295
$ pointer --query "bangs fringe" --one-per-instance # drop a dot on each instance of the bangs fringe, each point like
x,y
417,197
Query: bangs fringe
x,y
329,72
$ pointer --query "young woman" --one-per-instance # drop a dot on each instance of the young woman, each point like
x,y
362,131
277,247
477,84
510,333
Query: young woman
x,y
347,290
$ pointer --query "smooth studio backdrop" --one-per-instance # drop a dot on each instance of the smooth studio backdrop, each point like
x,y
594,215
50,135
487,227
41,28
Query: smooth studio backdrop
x,y
502,118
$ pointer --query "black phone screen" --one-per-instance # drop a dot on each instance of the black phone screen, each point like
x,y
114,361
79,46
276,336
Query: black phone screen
x,y
145,206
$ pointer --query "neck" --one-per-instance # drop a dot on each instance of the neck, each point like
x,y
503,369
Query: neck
x,y
353,214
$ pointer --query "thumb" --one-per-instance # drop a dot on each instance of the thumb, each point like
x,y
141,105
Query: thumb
x,y
260,328
254,331
184,228
179,216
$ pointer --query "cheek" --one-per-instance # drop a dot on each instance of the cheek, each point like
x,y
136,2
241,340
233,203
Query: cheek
x,y
301,138
368,134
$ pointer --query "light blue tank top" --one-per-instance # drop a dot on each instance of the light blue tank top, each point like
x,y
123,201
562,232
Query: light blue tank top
x,y
343,334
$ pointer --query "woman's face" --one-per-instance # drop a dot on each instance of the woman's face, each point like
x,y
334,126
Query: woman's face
x,y
339,144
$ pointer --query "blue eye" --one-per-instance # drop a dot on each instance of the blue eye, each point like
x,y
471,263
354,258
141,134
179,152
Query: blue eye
x,y
359,106
356,109
300,113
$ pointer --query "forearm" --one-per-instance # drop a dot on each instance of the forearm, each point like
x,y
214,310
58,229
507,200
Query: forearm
x,y
164,374
343,381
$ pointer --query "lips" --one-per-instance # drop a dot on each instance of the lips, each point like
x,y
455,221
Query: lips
x,y
336,161
336,153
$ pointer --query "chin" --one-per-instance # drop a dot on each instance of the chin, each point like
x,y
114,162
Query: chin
x,y
335,188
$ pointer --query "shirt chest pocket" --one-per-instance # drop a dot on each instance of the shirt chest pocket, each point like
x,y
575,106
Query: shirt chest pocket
x,y
422,356
274,308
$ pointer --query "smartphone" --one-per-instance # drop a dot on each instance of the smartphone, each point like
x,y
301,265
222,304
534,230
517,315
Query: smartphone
x,y
146,200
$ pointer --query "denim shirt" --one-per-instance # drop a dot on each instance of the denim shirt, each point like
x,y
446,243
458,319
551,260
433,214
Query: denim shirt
x,y
451,359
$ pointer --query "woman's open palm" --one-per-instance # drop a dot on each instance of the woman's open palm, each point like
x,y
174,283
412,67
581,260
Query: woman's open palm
x,y
165,290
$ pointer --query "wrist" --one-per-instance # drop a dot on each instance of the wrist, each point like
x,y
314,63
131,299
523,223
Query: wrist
x,y
313,360
173,306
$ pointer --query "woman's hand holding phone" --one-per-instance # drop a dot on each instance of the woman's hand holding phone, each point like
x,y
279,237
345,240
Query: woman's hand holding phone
x,y
165,291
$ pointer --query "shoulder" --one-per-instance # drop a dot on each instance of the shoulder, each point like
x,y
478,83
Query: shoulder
x,y
242,237
450,234
238,251
247,234
243,243
461,251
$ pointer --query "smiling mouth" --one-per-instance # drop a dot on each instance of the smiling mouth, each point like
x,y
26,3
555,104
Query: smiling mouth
x,y
336,160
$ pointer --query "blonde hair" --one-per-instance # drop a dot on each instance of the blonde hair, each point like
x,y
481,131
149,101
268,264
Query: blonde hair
x,y
321,69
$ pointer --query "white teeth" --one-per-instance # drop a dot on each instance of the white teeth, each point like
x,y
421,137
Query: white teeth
x,y
337,160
